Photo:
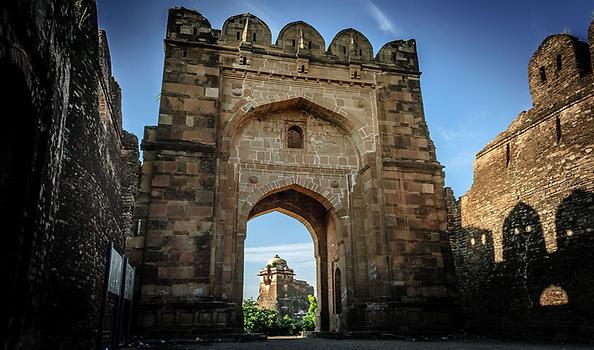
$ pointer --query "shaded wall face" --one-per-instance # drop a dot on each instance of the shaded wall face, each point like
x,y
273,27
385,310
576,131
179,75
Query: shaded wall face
x,y
532,193
34,88
98,173
70,171
540,172
16,183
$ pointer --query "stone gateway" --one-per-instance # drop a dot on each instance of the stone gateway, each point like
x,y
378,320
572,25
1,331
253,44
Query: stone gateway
x,y
330,135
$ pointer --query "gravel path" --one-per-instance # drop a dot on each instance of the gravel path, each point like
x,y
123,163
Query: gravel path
x,y
329,344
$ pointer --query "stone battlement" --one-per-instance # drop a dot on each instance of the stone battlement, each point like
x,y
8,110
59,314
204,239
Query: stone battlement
x,y
296,39
559,75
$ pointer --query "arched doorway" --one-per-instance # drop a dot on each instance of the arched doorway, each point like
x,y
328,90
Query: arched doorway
x,y
274,238
296,202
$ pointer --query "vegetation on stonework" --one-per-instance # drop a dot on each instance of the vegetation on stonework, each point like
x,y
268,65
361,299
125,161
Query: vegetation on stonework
x,y
262,320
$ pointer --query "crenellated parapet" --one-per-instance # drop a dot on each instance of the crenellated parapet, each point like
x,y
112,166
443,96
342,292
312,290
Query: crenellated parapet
x,y
560,66
402,53
296,38
300,37
245,28
352,45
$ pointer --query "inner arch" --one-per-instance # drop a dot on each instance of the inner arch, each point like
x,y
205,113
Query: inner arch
x,y
318,219
276,234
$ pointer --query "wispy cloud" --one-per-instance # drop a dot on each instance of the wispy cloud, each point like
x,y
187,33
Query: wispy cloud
x,y
448,134
265,13
295,253
383,22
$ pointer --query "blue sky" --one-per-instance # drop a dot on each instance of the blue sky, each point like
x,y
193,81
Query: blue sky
x,y
473,55
276,233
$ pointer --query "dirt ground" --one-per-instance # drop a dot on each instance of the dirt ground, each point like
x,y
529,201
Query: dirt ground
x,y
288,343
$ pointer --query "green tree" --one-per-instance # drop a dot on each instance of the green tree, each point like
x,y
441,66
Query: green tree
x,y
309,320
288,326
258,320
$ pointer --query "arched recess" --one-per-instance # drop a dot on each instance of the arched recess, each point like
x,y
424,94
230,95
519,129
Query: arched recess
x,y
247,109
328,200
318,215
337,292
243,193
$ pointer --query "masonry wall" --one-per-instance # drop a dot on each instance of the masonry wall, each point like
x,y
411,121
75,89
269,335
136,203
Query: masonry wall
x,y
220,153
78,173
100,164
524,233
34,91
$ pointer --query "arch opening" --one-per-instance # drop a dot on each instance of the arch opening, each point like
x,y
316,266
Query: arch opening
x,y
295,137
318,219
279,268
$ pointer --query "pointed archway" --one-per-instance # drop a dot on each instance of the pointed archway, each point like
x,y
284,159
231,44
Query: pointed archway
x,y
299,203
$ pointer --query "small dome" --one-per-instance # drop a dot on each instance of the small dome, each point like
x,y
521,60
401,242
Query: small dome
x,y
276,261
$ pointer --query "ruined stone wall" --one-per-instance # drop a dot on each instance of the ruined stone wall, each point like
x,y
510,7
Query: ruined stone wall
x,y
287,296
525,231
232,103
77,169
280,291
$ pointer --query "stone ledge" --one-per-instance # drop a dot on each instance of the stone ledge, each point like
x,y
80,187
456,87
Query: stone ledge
x,y
177,146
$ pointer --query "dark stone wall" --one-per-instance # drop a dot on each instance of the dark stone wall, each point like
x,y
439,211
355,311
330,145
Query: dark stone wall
x,y
98,178
523,234
36,77
71,191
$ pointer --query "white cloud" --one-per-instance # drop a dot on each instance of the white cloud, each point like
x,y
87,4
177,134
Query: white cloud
x,y
295,253
383,22
448,134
